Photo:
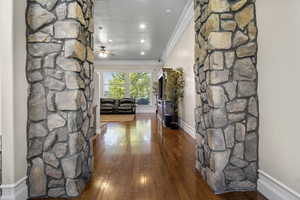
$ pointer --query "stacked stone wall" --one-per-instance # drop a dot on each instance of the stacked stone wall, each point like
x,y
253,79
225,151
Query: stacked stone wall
x,y
60,111
226,85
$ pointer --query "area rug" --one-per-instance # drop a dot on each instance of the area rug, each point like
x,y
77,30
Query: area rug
x,y
117,118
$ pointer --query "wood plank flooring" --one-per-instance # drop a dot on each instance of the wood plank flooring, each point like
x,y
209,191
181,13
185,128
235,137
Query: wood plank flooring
x,y
140,160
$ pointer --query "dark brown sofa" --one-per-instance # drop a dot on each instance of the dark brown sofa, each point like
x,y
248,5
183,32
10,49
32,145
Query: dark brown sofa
x,y
117,106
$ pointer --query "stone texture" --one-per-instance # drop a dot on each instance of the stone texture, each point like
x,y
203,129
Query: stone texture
x,y
229,136
237,105
216,139
33,63
35,148
42,49
228,25
71,166
240,132
75,12
35,76
211,25
238,150
244,69
216,97
75,49
37,178
219,160
230,89
242,186
217,60
66,29
50,159
239,39
68,64
49,141
226,86
252,107
55,121
251,123
56,192
251,147
76,143
238,162
244,16
60,149
37,103
48,4
217,77
73,102
239,4
234,173
39,37
246,88
53,172
38,16
219,5
251,172
56,183
74,81
90,55
37,130
61,11
75,121
54,84
49,60
59,70
219,40
249,49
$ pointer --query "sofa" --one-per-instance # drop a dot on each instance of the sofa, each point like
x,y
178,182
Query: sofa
x,y
117,106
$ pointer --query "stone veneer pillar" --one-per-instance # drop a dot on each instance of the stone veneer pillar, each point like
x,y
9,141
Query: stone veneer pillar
x,y
60,112
226,85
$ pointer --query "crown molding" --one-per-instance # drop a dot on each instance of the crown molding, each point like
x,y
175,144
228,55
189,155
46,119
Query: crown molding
x,y
127,63
185,19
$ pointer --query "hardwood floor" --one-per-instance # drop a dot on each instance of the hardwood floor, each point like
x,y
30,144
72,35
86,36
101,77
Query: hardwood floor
x,y
141,161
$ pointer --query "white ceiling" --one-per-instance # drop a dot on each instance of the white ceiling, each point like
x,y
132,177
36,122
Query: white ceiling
x,y
120,20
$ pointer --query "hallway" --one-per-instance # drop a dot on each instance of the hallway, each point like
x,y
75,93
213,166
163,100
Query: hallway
x,y
136,161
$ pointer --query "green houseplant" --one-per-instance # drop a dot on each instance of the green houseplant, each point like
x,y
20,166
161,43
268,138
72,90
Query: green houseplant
x,y
174,90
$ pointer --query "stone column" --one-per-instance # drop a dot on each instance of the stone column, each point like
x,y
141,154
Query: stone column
x,y
226,85
60,75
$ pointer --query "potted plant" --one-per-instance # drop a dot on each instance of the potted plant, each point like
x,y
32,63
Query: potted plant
x,y
174,91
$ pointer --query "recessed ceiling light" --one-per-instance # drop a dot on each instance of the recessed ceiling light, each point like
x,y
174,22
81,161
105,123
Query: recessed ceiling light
x,y
142,41
109,40
142,53
168,10
142,26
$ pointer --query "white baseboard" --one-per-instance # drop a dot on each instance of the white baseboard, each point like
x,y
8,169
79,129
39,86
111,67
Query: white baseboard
x,y
187,128
274,189
17,191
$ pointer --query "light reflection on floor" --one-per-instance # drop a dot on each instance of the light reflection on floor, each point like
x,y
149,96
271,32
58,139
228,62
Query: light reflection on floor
x,y
129,137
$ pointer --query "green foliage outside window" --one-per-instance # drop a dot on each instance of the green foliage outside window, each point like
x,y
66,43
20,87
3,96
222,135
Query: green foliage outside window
x,y
136,84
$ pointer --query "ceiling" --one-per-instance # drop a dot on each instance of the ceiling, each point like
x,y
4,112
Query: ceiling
x,y
121,19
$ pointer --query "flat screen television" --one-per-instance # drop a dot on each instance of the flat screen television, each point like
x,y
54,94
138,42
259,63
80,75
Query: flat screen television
x,y
161,87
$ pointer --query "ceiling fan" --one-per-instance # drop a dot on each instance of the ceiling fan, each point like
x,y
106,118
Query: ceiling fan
x,y
103,53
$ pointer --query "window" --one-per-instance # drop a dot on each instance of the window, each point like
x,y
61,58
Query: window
x,y
134,84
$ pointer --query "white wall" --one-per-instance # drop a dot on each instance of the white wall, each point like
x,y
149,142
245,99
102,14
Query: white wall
x,y
13,90
279,94
183,56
